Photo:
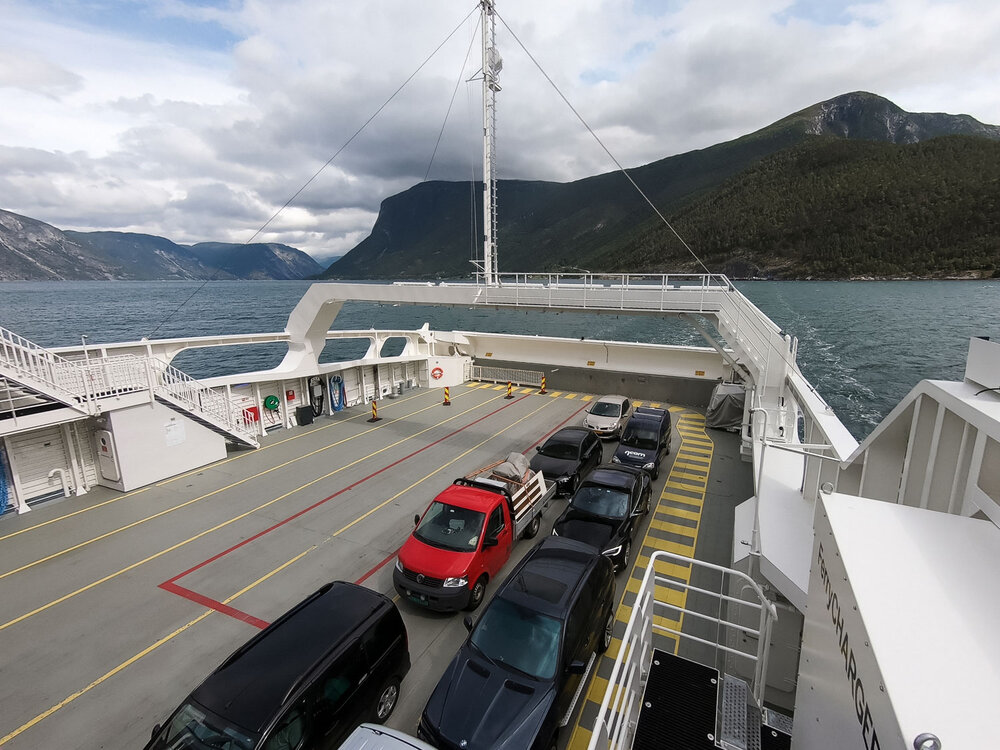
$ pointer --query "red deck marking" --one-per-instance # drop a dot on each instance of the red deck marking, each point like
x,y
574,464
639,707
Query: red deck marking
x,y
546,436
382,564
378,567
171,583
204,601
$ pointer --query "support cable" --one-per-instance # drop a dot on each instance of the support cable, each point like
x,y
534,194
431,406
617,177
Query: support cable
x,y
601,144
328,162
461,75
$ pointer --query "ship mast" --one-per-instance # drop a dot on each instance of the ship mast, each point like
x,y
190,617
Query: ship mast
x,y
492,63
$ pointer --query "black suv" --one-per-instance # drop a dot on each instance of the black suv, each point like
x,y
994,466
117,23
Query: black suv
x,y
306,681
606,511
644,440
515,680
567,456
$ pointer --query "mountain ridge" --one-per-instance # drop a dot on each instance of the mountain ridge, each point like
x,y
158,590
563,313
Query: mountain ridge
x,y
33,250
581,225
599,223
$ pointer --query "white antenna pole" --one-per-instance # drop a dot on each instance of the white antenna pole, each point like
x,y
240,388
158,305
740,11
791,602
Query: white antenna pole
x,y
492,63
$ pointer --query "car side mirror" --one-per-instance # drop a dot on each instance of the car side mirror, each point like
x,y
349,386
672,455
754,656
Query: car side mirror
x,y
416,519
538,449
468,622
576,667
156,731
490,541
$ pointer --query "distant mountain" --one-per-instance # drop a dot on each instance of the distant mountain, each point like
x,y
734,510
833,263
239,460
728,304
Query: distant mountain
x,y
31,249
258,261
600,223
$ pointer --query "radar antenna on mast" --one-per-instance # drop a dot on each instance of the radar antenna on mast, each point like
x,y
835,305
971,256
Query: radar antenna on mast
x,y
492,64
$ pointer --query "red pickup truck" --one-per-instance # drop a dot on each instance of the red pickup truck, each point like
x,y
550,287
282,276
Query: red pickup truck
x,y
467,533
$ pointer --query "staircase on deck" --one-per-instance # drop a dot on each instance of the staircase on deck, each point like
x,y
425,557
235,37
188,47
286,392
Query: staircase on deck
x,y
709,696
34,380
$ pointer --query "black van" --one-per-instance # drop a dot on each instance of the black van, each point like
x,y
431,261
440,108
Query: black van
x,y
645,438
517,677
306,681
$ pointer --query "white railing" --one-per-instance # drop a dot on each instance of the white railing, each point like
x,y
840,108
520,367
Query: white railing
x,y
59,376
651,615
198,398
83,383
652,293
506,375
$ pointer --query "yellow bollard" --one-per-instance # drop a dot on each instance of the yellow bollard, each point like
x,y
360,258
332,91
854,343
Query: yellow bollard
x,y
509,393
543,385
375,416
447,398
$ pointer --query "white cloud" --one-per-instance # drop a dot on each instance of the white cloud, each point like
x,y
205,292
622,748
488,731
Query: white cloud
x,y
202,133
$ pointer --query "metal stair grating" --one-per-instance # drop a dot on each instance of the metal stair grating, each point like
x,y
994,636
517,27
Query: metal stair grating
x,y
776,731
678,708
733,732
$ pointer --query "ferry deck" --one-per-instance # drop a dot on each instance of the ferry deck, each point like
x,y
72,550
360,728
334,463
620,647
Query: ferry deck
x,y
117,604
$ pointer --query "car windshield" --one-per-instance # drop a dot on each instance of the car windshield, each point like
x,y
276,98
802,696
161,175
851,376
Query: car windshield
x,y
557,449
193,727
450,527
606,409
520,638
639,437
601,501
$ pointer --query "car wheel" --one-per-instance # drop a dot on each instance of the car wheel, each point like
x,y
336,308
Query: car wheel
x,y
625,556
572,484
608,634
387,701
478,592
532,531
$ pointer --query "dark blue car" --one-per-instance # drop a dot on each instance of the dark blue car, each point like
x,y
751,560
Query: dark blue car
x,y
645,439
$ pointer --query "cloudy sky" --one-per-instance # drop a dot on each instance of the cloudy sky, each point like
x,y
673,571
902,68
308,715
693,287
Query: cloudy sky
x,y
198,119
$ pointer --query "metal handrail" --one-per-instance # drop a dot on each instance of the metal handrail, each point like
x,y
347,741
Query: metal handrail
x,y
86,382
197,397
57,374
617,716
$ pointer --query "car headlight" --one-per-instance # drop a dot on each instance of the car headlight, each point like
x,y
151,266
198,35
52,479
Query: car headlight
x,y
454,583
649,466
615,460
613,551
399,565
563,480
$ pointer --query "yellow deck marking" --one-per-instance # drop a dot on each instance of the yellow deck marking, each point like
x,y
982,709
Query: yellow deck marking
x,y
674,528
260,580
689,433
220,525
572,395
555,394
588,397
146,651
186,474
437,470
695,478
694,515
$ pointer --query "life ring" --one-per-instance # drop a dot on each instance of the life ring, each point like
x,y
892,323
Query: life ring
x,y
271,403
436,373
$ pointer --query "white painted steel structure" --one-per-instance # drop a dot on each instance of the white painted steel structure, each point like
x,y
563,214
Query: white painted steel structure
x,y
656,599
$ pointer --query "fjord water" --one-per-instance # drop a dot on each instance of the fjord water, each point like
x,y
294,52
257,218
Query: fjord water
x,y
862,344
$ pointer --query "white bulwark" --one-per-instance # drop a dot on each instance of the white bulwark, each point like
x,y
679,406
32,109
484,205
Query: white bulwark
x,y
900,636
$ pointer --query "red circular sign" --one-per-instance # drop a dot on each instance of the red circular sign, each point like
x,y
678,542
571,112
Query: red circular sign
x,y
436,373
